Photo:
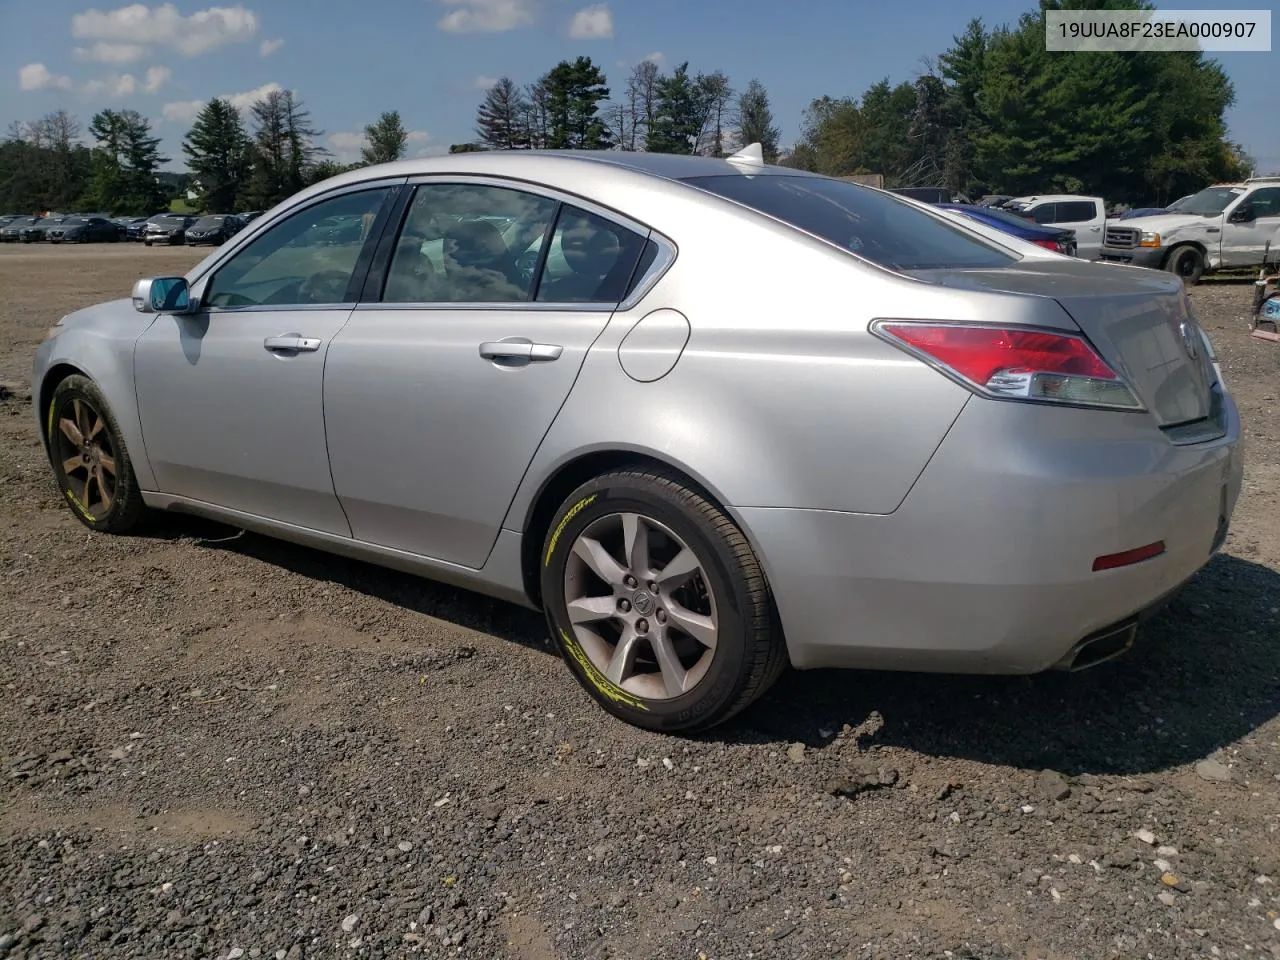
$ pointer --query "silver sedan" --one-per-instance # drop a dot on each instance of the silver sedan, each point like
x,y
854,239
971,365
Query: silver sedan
x,y
714,417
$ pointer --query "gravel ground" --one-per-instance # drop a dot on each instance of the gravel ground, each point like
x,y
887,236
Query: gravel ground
x,y
216,745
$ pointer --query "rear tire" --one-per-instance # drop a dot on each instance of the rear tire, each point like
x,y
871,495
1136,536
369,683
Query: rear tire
x,y
90,461
1186,262
677,635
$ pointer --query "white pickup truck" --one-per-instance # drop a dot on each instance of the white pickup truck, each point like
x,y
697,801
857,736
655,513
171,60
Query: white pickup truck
x,y
1225,226
1086,216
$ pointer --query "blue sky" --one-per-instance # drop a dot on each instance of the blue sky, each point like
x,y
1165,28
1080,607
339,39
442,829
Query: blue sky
x,y
430,59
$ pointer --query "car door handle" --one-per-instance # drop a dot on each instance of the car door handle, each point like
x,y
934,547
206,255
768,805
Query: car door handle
x,y
518,348
292,342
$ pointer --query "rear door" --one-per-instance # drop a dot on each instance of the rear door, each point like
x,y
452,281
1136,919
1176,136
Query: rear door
x,y
438,393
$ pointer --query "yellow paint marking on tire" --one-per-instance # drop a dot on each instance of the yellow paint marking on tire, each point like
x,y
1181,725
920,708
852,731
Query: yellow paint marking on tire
x,y
573,512
598,679
80,507
53,408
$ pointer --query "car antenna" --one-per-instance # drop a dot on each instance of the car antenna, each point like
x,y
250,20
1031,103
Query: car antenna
x,y
752,155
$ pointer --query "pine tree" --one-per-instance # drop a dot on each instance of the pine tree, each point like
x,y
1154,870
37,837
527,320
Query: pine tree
x,y
574,93
755,121
217,150
502,118
679,118
142,161
387,139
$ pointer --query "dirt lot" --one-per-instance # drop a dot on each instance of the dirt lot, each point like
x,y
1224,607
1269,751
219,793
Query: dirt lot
x,y
217,745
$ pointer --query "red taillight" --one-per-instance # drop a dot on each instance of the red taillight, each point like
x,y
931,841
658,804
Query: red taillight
x,y
1015,362
1047,244
1113,560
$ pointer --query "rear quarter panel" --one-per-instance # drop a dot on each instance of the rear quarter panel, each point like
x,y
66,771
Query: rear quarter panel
x,y
781,397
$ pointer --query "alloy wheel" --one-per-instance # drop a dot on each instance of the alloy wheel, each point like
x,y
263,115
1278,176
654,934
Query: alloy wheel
x,y
641,606
86,451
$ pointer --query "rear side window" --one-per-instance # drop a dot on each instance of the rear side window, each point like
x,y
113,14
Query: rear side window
x,y
1045,213
1075,211
590,260
874,225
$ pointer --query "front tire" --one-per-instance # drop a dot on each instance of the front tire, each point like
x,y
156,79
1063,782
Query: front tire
x,y
89,458
1188,263
658,604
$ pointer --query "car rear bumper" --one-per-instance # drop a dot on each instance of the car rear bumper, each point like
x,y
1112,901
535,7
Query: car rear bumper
x,y
987,566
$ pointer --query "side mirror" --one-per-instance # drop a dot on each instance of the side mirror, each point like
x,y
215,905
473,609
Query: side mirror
x,y
1243,214
162,295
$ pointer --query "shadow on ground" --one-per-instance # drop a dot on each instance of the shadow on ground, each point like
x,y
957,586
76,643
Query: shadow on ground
x,y
1205,672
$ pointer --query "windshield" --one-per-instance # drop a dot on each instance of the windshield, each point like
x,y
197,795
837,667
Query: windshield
x,y
169,221
1210,201
877,226
208,223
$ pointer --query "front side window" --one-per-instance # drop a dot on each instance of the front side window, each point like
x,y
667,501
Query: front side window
x,y
876,226
468,243
1265,202
308,258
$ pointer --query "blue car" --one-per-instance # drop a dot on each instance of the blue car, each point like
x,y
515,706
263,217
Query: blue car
x,y
1051,238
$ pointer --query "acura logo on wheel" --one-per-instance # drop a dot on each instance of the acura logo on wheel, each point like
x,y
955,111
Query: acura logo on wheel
x,y
1189,339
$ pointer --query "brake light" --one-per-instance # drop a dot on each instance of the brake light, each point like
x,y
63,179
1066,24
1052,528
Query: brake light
x,y
1047,244
1014,363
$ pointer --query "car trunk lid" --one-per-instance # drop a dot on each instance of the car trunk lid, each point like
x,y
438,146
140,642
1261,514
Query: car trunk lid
x,y
1139,321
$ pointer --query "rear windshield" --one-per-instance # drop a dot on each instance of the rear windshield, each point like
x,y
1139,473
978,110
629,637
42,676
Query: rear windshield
x,y
874,225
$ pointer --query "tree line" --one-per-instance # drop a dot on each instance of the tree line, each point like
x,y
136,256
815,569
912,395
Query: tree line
x,y
994,113
571,108
997,113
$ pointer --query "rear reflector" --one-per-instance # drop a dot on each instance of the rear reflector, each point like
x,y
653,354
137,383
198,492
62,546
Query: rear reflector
x,y
1128,557
1014,363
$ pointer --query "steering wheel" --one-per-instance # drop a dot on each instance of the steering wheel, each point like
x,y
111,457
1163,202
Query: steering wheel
x,y
327,286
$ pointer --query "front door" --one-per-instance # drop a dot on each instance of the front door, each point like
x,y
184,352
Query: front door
x,y
231,397
1243,243
438,395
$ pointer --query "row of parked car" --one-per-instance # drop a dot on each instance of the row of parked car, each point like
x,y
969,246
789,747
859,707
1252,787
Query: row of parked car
x,y
1225,226
162,228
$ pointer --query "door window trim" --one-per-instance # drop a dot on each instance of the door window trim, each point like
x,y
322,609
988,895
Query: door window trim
x,y
199,278
371,295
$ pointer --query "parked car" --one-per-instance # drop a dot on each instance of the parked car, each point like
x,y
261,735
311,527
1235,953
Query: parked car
x,y
1051,238
167,229
38,231
137,229
11,232
933,195
1225,226
1086,216
84,230
1004,482
215,229
251,216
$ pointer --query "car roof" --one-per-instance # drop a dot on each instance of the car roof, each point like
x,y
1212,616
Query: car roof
x,y
1053,197
530,163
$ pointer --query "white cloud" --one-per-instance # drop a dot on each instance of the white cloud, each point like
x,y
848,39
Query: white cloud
x,y
140,25
186,110
36,76
485,83
486,16
104,52
268,47
592,23
656,57
346,146
157,77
